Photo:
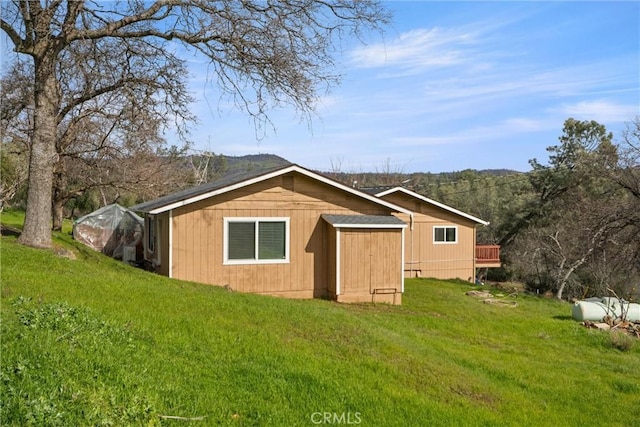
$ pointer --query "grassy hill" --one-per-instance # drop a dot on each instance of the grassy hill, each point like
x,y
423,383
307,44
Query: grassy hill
x,y
91,341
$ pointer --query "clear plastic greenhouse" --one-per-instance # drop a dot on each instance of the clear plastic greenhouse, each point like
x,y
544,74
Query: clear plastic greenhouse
x,y
112,230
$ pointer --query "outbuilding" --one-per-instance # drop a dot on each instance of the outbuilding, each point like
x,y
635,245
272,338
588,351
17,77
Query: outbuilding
x,y
113,230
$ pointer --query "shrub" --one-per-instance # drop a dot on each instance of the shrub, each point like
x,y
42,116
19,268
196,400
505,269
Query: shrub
x,y
621,340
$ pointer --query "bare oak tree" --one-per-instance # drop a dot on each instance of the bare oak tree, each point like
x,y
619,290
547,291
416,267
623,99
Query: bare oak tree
x,y
16,114
260,54
627,176
114,109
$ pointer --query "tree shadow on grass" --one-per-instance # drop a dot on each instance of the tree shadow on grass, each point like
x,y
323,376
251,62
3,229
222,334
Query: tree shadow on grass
x,y
6,230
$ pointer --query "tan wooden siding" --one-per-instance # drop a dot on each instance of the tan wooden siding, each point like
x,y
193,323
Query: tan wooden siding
x,y
441,260
331,261
423,257
198,229
370,260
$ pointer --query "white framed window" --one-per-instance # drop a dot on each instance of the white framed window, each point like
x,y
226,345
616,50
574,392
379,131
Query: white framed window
x,y
249,240
445,234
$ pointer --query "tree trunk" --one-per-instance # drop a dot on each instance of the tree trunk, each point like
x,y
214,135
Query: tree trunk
x,y
562,283
58,207
58,194
37,223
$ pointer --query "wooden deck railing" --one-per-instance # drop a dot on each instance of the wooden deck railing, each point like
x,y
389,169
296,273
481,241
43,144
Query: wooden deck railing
x,y
487,254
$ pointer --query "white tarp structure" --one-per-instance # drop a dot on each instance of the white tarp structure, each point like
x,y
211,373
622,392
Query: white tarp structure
x,y
112,230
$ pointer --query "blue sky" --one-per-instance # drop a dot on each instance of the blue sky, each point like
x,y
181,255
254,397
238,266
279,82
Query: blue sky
x,y
455,85
450,86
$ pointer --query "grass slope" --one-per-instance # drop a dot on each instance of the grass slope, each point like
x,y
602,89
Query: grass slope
x,y
92,341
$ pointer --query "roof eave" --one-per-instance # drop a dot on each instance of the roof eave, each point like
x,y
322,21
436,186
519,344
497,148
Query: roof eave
x,y
382,226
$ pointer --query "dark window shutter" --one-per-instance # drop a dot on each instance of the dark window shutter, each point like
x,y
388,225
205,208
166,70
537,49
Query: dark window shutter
x,y
271,240
242,240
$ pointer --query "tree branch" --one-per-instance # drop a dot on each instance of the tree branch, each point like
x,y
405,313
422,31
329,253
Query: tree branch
x,y
112,28
73,10
13,35
101,91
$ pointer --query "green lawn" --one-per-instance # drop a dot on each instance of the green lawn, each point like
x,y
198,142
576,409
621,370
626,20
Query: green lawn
x,y
92,341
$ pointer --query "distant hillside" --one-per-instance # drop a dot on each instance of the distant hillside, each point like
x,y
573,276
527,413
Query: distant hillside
x,y
416,180
221,165
492,172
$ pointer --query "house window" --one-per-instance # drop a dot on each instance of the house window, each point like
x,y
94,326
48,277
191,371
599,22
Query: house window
x,y
256,240
447,234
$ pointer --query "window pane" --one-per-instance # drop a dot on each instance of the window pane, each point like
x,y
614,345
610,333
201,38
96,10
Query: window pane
x,y
242,240
439,234
271,240
451,234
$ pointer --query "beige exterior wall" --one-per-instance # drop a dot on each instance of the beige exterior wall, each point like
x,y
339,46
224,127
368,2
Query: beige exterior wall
x,y
332,253
197,236
423,257
370,265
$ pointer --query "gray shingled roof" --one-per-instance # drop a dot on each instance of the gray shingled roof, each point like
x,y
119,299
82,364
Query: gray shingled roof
x,y
201,189
431,202
375,190
230,183
363,220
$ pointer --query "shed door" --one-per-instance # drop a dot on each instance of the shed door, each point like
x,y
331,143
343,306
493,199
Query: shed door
x,y
370,259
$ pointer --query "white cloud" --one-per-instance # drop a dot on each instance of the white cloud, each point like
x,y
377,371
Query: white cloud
x,y
417,50
600,110
505,80
482,133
